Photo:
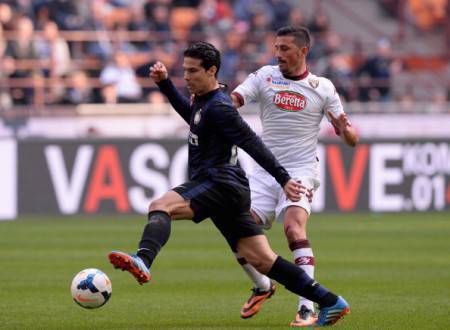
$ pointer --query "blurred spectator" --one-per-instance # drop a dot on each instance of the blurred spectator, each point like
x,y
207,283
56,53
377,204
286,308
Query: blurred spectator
x,y
424,14
79,91
55,51
6,16
6,68
259,26
427,14
319,24
296,17
55,48
2,43
185,19
69,14
106,14
281,11
166,50
155,97
231,56
139,21
339,71
23,49
119,81
159,21
245,9
379,68
22,7
216,14
440,99
41,11
324,46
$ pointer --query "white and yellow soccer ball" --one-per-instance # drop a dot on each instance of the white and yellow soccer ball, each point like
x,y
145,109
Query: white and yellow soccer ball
x,y
91,288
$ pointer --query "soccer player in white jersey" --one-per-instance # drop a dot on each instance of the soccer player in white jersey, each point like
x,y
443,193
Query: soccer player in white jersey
x,y
292,104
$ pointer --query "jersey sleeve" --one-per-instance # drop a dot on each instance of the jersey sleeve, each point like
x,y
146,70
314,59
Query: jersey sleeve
x,y
248,91
332,101
227,120
332,104
179,102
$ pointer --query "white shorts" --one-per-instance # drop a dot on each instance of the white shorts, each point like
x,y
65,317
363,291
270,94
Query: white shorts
x,y
269,201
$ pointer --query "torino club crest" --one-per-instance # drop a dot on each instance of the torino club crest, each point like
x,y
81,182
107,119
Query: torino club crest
x,y
313,82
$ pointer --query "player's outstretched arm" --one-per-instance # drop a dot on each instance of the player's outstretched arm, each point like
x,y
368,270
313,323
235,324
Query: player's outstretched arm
x,y
228,121
344,129
159,74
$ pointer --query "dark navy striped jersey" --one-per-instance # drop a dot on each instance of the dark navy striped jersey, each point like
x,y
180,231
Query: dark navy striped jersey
x,y
216,129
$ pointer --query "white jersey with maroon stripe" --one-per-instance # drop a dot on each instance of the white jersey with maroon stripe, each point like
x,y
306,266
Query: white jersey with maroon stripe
x,y
291,112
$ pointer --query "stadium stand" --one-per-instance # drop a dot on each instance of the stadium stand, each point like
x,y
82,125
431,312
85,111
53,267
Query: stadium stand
x,y
63,52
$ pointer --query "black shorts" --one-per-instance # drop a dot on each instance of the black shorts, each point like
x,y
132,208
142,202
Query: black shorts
x,y
227,206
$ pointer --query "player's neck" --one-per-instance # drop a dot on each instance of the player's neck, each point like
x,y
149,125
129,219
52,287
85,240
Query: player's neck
x,y
299,74
210,87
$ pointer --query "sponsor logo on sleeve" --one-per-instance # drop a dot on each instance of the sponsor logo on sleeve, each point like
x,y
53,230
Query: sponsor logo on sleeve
x,y
277,83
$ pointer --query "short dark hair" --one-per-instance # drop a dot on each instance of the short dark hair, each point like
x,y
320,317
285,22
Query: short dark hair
x,y
300,33
207,53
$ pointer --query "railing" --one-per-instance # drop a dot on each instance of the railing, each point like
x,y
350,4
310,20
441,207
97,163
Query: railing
x,y
41,85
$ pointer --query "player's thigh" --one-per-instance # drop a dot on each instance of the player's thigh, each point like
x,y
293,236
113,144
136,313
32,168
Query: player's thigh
x,y
236,225
264,197
284,203
206,198
174,204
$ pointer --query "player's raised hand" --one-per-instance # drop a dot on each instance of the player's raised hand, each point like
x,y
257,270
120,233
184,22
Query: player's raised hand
x,y
158,72
293,190
340,123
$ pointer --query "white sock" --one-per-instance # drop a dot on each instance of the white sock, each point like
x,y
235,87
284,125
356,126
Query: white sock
x,y
304,258
259,280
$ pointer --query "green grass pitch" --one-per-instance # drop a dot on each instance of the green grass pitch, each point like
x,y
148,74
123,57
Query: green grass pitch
x,y
394,270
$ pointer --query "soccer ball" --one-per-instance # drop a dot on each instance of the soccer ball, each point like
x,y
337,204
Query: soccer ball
x,y
91,288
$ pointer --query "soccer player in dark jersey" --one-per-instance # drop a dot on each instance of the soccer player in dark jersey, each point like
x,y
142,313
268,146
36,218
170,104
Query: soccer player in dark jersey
x,y
217,186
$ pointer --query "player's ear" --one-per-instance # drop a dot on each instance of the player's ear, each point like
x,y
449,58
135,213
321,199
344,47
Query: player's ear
x,y
304,50
212,71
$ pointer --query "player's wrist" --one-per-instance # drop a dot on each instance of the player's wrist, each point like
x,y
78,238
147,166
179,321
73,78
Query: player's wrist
x,y
350,136
159,81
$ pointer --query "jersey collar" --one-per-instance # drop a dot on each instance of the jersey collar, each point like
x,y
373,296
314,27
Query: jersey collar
x,y
300,77
206,95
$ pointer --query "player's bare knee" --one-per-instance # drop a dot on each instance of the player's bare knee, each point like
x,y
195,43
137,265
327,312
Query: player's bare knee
x,y
294,232
261,263
158,204
295,224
